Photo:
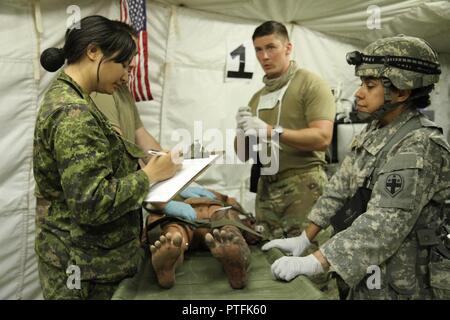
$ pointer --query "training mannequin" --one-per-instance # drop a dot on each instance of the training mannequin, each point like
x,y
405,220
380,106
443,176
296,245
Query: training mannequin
x,y
226,243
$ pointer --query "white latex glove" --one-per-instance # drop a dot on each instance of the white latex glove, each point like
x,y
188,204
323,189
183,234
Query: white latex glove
x,y
295,246
287,268
241,115
254,126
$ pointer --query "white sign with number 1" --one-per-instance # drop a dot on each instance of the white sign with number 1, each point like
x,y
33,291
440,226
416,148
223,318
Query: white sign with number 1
x,y
240,61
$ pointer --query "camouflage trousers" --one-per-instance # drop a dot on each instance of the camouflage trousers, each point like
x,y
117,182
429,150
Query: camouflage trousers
x,y
283,203
54,280
55,286
284,200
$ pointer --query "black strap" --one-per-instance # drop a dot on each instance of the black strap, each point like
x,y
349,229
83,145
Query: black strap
x,y
255,174
167,219
405,63
203,224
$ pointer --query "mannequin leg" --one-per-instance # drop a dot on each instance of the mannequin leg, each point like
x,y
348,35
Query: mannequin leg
x,y
168,252
229,247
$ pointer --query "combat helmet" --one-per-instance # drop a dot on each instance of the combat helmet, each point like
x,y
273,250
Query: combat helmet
x,y
403,61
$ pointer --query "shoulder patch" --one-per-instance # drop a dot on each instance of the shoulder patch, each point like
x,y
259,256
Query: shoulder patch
x,y
397,181
394,184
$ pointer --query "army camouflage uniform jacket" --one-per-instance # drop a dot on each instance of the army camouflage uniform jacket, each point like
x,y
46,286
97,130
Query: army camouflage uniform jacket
x,y
385,235
89,175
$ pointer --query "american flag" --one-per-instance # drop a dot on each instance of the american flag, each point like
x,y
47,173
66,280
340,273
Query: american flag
x,y
134,13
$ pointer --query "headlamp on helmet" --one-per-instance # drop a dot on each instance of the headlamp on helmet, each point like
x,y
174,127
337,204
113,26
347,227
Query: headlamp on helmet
x,y
406,63
354,58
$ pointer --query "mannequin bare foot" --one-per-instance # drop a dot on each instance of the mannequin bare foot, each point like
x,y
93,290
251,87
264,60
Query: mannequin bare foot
x,y
233,253
167,254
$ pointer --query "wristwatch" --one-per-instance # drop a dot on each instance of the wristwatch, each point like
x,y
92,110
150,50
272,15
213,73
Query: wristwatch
x,y
278,130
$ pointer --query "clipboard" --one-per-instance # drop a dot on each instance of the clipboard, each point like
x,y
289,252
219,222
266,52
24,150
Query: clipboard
x,y
165,190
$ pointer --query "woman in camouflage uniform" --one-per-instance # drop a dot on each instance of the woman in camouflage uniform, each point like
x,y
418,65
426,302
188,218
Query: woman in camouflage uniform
x,y
88,239
385,202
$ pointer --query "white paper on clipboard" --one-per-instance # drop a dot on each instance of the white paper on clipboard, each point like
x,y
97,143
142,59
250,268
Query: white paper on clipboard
x,y
165,190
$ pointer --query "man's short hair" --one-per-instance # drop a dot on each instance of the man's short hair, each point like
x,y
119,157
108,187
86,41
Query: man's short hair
x,y
271,27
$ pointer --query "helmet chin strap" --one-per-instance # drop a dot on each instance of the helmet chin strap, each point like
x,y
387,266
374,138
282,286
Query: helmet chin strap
x,y
385,108
379,114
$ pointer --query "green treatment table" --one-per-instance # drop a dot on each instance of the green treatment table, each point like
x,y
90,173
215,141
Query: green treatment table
x,y
201,277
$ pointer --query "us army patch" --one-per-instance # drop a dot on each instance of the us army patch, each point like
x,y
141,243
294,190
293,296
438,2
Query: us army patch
x,y
394,184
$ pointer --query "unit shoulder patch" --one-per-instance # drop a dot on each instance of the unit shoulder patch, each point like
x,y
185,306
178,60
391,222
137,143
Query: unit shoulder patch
x,y
394,184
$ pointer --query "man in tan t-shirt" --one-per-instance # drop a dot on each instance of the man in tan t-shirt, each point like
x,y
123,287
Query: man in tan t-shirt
x,y
295,108
121,111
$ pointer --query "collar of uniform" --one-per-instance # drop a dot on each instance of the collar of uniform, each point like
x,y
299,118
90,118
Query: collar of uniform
x,y
278,83
90,103
360,139
376,137
65,77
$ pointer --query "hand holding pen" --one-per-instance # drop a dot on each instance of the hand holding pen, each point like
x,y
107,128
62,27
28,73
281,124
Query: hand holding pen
x,y
162,165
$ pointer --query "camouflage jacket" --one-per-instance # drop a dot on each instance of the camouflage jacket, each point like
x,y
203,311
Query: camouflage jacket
x,y
89,175
385,235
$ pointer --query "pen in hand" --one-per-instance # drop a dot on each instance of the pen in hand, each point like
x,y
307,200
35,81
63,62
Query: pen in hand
x,y
176,156
160,166
156,153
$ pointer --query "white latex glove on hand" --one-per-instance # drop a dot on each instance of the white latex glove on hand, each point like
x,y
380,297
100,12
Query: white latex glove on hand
x,y
241,115
287,268
295,246
254,126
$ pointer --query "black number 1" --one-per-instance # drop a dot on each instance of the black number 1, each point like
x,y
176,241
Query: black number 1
x,y
239,51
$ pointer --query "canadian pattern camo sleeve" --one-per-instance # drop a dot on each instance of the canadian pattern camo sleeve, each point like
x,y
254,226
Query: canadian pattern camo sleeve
x,y
84,159
402,189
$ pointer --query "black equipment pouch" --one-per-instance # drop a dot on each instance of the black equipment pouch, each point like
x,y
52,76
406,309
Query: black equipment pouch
x,y
351,210
255,173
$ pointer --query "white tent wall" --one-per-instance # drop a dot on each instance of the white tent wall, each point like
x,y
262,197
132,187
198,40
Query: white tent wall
x,y
25,27
440,97
18,111
187,55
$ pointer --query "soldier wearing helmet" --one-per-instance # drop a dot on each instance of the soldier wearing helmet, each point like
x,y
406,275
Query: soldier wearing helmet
x,y
400,63
385,201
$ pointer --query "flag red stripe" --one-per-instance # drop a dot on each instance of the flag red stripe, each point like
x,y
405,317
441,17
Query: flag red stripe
x,y
147,83
141,92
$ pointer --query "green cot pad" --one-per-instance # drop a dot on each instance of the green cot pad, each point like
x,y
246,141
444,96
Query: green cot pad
x,y
201,277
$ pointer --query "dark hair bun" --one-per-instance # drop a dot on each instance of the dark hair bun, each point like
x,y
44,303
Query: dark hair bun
x,y
52,59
